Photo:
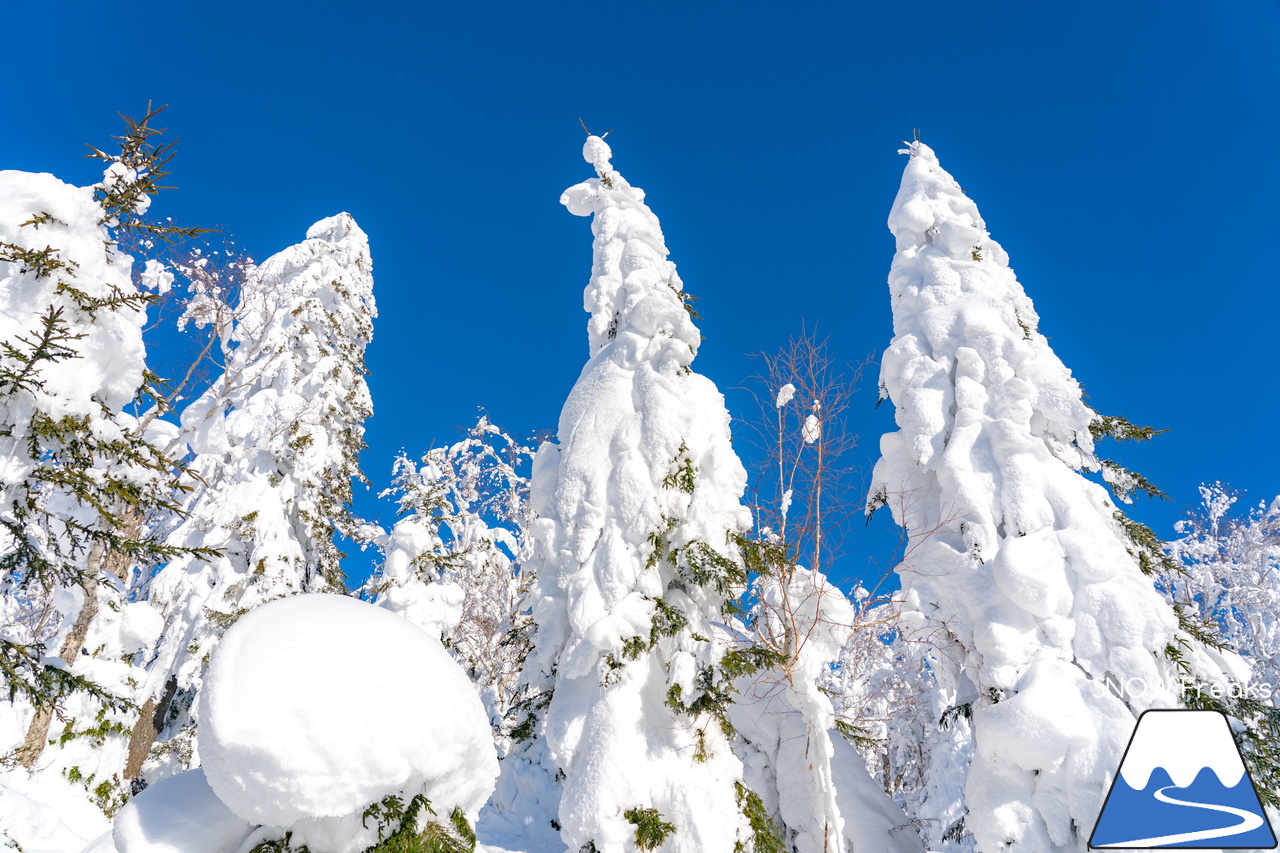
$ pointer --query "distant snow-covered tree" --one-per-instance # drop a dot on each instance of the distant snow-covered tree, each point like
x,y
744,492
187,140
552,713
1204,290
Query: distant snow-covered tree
x,y
634,551
1034,592
273,444
871,682
453,563
1228,582
1231,575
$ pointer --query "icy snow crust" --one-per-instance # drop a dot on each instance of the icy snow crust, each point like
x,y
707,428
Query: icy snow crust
x,y
1020,575
635,416
317,706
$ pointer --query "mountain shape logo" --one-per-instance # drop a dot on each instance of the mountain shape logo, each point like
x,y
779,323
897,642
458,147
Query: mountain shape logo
x,y
1182,783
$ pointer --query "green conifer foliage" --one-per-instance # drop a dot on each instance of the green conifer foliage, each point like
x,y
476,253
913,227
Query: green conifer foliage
x,y
79,477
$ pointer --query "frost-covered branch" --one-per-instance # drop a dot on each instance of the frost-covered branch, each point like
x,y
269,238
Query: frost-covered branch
x,y
454,563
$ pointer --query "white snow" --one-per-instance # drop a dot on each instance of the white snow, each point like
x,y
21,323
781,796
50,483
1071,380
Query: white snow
x,y
155,276
47,814
872,821
109,368
180,814
812,429
317,706
140,625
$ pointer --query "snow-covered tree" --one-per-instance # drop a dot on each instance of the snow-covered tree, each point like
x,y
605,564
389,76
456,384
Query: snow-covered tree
x,y
1033,590
80,475
1231,575
872,682
800,624
453,563
1228,582
798,627
274,444
634,554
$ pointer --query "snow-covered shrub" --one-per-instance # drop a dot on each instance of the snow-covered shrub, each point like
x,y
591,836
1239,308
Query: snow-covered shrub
x,y
810,779
1231,575
872,682
327,723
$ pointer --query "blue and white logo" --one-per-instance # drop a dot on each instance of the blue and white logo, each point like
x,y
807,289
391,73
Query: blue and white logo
x,y
1182,783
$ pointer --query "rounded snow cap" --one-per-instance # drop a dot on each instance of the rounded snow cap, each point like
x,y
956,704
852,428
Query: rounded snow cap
x,y
317,706
919,149
335,229
597,152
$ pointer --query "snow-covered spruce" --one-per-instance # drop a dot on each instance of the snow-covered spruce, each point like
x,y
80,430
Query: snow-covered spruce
x,y
1023,576
76,478
637,508
318,710
275,439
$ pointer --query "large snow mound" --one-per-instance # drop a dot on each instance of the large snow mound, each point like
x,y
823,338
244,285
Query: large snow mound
x,y
318,706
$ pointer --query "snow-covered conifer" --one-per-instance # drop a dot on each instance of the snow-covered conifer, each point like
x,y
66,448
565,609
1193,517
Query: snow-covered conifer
x,y
79,477
638,508
274,445
1035,593
453,562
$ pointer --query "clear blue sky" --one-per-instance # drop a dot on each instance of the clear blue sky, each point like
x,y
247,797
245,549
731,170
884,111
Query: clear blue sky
x,y
1119,151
